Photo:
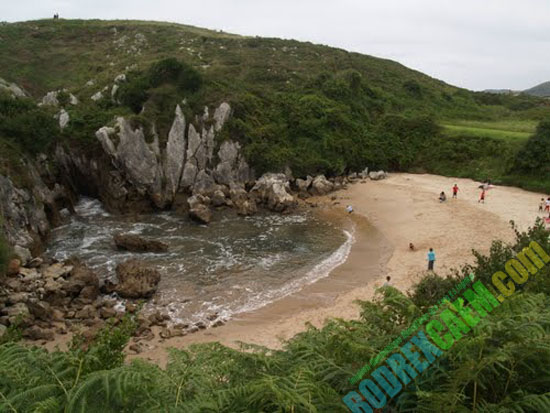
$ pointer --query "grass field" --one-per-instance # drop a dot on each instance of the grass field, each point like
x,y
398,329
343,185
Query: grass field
x,y
503,129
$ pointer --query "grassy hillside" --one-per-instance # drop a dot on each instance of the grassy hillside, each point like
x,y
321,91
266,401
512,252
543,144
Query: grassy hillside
x,y
542,90
313,108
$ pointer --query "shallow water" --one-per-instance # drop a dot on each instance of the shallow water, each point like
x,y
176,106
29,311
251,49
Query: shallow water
x,y
235,264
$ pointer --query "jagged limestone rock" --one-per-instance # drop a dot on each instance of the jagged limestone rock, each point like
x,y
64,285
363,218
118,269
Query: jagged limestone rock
x,y
97,96
64,118
273,190
232,166
12,88
135,156
221,115
175,153
50,98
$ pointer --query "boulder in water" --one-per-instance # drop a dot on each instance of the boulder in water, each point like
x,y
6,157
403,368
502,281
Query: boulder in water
x,y
201,214
273,190
136,279
135,243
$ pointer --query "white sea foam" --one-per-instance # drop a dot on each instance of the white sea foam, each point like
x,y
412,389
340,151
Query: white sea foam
x,y
320,271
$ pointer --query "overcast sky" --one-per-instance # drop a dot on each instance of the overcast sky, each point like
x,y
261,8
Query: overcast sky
x,y
477,44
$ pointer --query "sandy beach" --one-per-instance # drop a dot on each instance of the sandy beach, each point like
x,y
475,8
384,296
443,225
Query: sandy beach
x,y
388,214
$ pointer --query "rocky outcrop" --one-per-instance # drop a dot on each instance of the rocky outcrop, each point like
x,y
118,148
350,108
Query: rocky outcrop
x,y
136,279
377,175
241,201
63,118
30,211
12,89
175,154
321,186
199,210
273,191
304,184
135,243
134,173
34,298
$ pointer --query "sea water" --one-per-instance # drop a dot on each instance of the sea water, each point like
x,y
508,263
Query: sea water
x,y
235,264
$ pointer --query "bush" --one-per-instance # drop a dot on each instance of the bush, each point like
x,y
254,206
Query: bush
x,y
173,71
30,127
534,157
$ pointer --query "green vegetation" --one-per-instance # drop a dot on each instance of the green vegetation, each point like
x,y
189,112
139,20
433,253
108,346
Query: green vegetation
x,y
500,366
542,90
312,108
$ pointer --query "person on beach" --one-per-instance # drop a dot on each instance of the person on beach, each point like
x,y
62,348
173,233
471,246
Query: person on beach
x,y
455,191
387,283
547,205
411,246
431,259
541,205
442,197
349,208
482,197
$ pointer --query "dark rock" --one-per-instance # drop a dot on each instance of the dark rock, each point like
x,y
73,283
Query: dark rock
x,y
37,333
40,310
107,313
79,278
135,243
136,279
87,312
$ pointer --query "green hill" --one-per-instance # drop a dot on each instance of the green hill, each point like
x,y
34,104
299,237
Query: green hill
x,y
310,107
542,90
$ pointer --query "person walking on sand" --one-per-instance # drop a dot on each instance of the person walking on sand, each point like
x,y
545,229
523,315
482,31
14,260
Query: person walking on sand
x,y
455,191
482,197
431,259
541,205
547,205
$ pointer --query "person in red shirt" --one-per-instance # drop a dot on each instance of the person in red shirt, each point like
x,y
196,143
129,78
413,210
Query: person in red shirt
x,y
482,197
455,191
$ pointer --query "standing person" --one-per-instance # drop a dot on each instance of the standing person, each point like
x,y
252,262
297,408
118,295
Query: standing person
x,y
547,205
431,259
455,191
482,197
541,205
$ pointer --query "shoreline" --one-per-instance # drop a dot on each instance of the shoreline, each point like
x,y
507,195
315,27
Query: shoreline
x,y
401,209
388,214
282,319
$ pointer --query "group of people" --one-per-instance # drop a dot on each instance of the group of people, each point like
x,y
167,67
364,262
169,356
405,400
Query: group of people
x,y
484,188
443,197
56,16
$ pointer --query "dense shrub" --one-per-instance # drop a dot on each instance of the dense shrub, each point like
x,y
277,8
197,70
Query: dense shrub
x,y
173,71
534,157
30,127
